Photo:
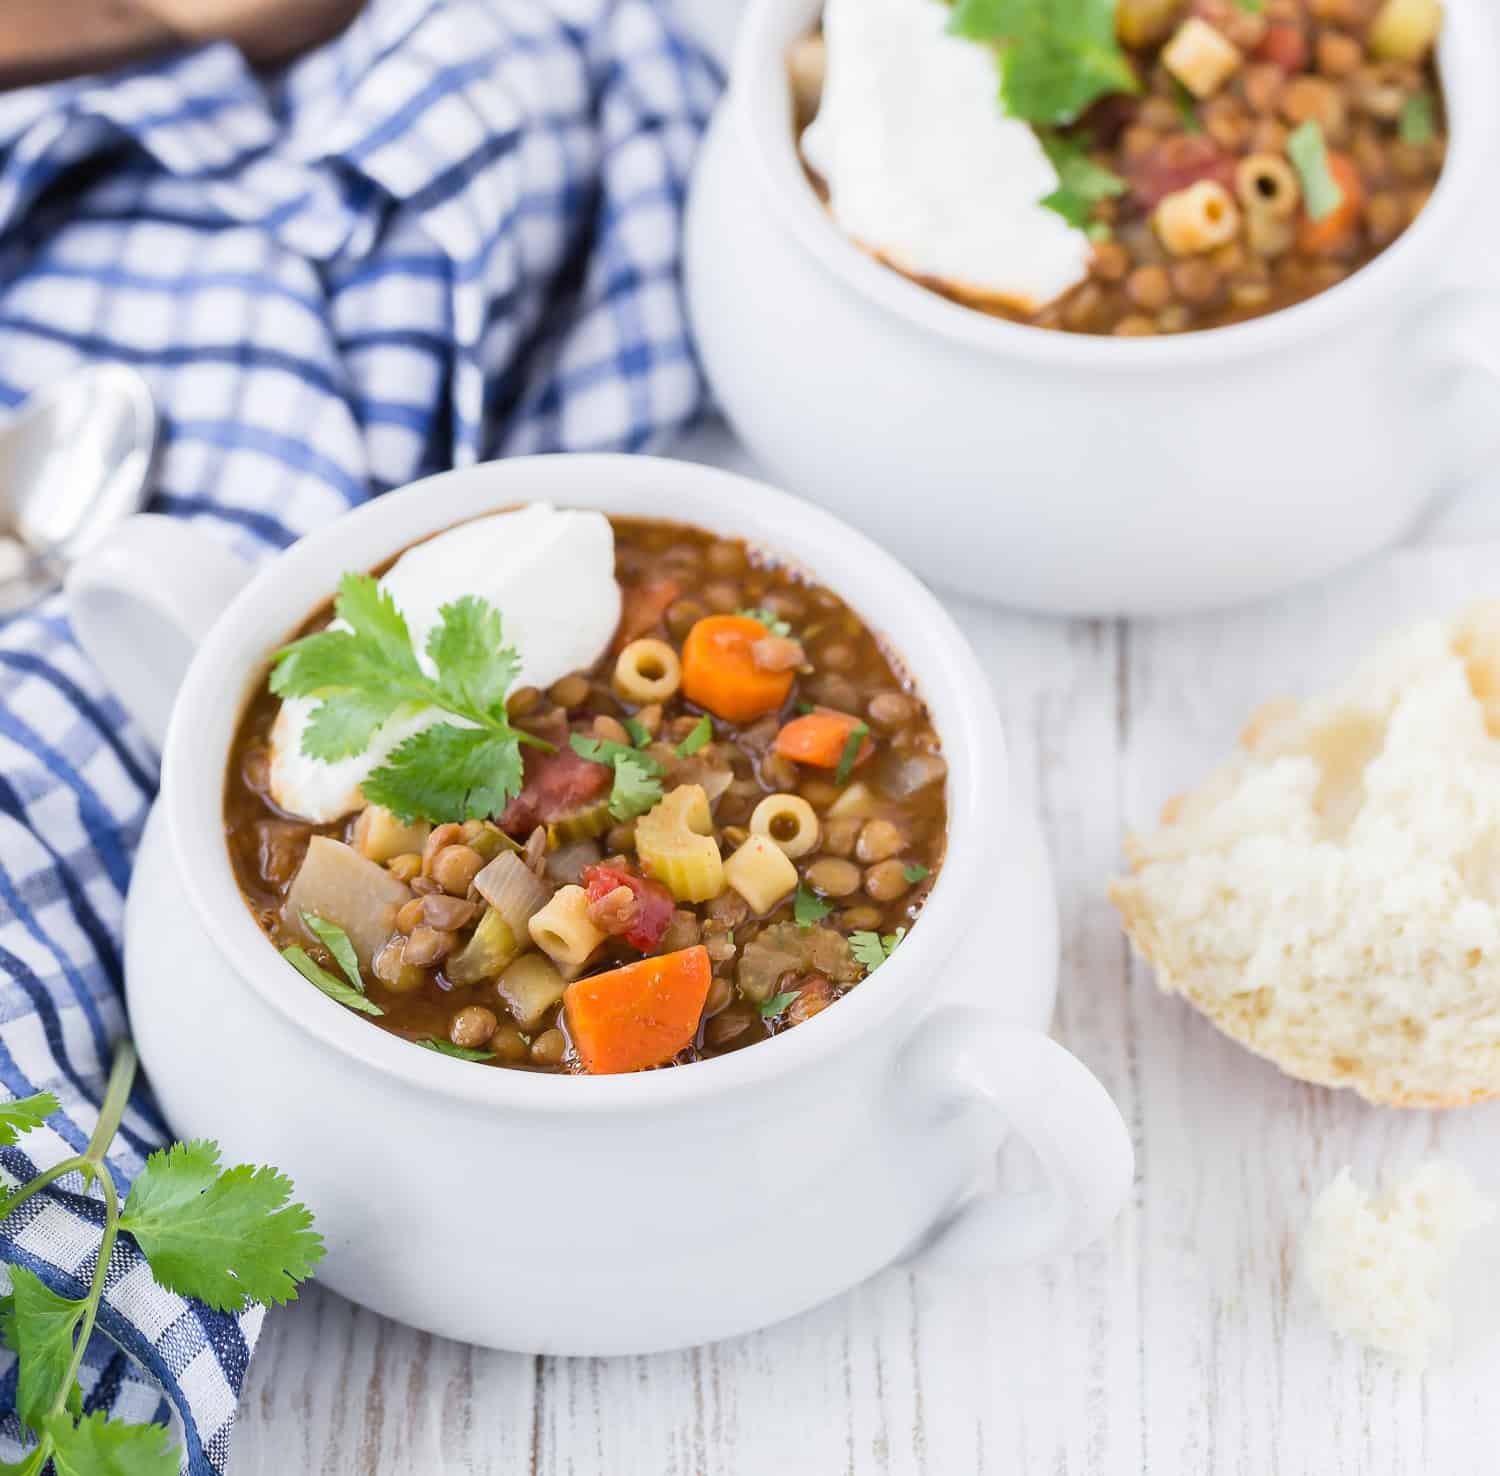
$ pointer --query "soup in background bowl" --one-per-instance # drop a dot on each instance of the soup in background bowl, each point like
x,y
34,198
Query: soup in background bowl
x,y
1184,164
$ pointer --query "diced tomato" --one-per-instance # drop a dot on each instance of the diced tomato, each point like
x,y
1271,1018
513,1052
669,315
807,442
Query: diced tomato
x,y
1175,163
1285,46
555,785
654,902
643,606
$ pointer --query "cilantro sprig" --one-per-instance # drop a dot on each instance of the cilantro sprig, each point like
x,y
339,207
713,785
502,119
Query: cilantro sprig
x,y
225,1236
366,674
872,950
768,618
1081,183
702,733
778,1003
458,1052
351,994
1321,192
1056,57
1418,121
637,784
809,909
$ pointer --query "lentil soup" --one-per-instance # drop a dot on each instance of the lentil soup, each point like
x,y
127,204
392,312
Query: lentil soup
x,y
1248,155
714,831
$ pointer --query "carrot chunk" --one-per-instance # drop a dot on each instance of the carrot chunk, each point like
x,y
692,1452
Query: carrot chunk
x,y
719,670
1328,236
820,738
640,1015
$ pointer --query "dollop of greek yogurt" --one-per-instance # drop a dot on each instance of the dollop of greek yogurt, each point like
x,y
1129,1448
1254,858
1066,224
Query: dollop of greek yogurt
x,y
924,169
551,575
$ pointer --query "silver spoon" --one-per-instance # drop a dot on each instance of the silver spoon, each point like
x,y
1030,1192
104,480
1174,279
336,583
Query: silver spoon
x,y
73,462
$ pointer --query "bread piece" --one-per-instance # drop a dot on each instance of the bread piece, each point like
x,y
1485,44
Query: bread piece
x,y
1330,898
1379,1267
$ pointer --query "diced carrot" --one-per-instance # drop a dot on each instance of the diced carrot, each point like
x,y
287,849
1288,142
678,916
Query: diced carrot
x,y
820,738
1328,236
640,1015
642,608
719,670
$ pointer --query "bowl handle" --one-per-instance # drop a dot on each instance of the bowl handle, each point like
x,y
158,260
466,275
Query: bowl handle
x,y
141,599
1022,1081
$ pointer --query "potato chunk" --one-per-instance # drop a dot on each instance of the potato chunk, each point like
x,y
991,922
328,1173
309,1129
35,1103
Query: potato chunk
x,y
343,887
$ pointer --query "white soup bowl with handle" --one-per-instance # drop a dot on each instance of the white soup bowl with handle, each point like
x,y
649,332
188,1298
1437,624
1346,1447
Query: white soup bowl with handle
x,y
615,1214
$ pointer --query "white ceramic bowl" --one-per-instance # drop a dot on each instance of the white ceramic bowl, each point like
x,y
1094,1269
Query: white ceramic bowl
x,y
1082,474
612,1214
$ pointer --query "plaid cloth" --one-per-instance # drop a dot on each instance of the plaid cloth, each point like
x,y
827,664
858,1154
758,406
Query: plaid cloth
x,y
453,233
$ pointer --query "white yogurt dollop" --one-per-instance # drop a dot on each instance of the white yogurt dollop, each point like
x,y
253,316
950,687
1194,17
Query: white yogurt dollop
x,y
551,575
922,166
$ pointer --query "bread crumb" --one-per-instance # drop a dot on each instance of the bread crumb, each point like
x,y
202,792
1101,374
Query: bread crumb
x,y
1330,898
1379,1266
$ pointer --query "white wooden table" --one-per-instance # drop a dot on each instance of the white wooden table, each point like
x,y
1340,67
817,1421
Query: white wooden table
x,y
1183,1345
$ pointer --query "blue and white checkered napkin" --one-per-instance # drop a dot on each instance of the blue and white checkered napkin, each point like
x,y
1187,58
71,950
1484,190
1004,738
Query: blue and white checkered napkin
x,y
453,233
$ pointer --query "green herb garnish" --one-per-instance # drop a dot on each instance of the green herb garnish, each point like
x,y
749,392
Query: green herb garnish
x,y
458,1052
1056,57
852,745
1081,182
778,1002
871,950
637,786
915,873
336,941
1418,122
331,985
703,732
808,908
806,707
1309,155
1187,108
768,618
1251,7
365,675
637,730
227,1237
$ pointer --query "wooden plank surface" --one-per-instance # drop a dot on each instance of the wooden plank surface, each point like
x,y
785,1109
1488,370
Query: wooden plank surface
x,y
1184,1343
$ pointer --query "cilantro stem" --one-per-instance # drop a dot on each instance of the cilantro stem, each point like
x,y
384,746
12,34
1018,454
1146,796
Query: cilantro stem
x,y
91,1164
112,1109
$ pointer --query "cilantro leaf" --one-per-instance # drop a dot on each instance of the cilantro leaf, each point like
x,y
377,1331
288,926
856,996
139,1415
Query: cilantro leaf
x,y
1306,149
228,1238
336,941
40,1325
1081,182
703,732
364,675
1056,57
808,908
24,1114
915,872
768,618
637,730
1418,122
871,950
448,773
1187,108
331,985
852,745
778,1002
637,786
100,1446
475,667
1251,7
460,1053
